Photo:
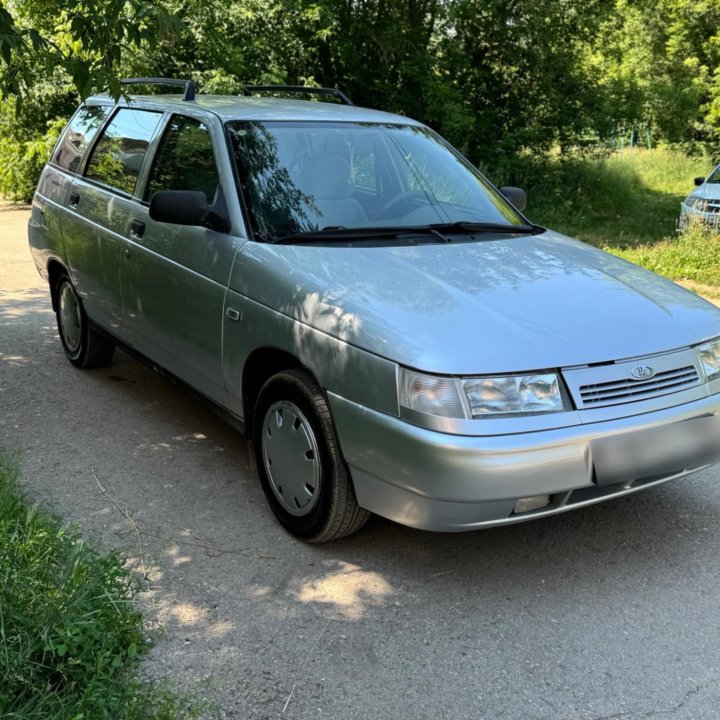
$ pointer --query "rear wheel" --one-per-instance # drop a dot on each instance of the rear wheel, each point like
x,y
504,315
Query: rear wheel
x,y
302,473
84,347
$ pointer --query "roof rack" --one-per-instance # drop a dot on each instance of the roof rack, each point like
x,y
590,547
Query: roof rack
x,y
189,85
339,94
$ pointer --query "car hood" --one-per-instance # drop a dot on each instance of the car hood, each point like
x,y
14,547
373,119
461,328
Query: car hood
x,y
492,306
707,191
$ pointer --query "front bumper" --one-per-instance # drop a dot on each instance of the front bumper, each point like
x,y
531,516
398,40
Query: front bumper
x,y
435,481
690,215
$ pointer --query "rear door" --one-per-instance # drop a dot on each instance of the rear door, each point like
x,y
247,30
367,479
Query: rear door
x,y
99,204
52,192
176,277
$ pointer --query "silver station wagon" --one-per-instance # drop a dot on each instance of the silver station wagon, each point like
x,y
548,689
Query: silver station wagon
x,y
388,328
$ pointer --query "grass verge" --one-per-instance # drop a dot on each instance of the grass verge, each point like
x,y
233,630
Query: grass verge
x,y
693,255
70,639
619,200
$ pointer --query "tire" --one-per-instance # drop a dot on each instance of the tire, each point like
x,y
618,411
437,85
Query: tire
x,y
302,473
83,347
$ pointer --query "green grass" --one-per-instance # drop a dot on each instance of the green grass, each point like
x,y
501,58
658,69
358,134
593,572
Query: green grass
x,y
627,203
693,255
617,200
70,639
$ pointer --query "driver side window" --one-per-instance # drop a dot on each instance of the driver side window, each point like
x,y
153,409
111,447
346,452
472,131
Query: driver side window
x,y
184,160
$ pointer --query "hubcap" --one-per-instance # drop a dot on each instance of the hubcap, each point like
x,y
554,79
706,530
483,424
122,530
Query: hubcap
x,y
70,318
291,458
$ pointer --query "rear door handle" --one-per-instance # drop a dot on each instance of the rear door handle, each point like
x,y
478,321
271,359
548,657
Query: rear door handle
x,y
74,199
137,229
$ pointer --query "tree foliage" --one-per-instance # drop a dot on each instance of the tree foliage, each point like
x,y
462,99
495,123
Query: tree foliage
x,y
86,38
499,78
656,64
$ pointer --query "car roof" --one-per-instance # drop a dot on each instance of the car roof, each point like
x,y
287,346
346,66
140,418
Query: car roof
x,y
234,107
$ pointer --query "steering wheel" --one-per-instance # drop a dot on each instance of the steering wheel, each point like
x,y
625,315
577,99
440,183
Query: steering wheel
x,y
409,198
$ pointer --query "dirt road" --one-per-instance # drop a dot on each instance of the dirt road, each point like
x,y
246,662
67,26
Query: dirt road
x,y
601,613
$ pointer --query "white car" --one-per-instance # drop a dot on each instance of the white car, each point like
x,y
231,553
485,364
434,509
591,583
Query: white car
x,y
702,205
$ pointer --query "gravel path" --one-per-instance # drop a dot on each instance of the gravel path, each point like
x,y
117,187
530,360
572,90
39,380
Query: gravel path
x,y
608,612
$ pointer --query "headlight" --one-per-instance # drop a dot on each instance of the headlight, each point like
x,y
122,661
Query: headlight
x,y
710,359
697,203
482,396
514,394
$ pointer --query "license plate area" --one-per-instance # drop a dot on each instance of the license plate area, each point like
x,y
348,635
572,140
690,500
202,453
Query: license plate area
x,y
660,451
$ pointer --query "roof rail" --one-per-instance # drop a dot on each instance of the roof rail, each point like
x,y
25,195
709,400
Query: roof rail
x,y
339,94
189,85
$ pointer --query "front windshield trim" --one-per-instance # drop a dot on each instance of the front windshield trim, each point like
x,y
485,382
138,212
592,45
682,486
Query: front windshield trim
x,y
294,197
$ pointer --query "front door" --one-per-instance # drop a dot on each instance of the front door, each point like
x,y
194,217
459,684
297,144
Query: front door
x,y
176,277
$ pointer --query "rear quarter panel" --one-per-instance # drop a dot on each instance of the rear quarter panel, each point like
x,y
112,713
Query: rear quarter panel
x,y
44,227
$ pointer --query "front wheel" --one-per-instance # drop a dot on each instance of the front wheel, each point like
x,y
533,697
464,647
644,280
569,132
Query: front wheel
x,y
298,457
83,347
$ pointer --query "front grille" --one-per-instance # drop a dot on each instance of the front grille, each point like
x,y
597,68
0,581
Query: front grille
x,y
627,390
706,205
711,206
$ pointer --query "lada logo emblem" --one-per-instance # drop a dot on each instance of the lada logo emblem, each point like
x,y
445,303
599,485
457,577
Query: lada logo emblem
x,y
642,372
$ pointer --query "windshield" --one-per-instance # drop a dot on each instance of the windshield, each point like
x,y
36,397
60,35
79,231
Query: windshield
x,y
309,176
714,176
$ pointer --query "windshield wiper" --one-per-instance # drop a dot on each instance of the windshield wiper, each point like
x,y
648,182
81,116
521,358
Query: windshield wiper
x,y
334,233
441,231
471,227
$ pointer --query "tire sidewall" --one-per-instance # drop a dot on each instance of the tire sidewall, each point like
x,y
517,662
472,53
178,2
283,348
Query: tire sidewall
x,y
286,386
76,356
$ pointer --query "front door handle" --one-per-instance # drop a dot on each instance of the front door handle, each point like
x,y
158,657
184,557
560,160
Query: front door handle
x,y
137,229
74,199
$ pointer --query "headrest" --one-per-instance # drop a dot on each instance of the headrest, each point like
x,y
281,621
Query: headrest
x,y
327,177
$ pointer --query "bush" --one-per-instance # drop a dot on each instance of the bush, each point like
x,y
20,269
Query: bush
x,y
21,162
28,133
619,199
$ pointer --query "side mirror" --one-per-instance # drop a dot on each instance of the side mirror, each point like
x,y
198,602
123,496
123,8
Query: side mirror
x,y
180,207
188,207
517,196
699,181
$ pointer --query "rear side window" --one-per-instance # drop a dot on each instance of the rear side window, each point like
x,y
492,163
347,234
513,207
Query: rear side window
x,y
185,159
120,151
79,134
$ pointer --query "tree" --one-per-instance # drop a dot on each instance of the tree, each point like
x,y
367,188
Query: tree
x,y
85,38
52,53
498,78
654,61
